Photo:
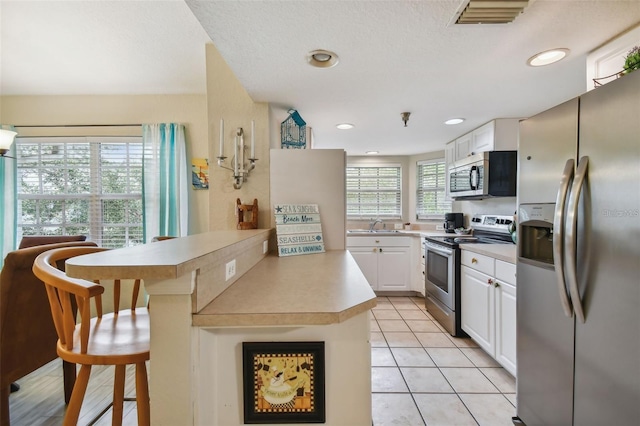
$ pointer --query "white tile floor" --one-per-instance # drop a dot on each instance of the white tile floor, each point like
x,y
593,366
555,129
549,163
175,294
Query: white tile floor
x,y
421,375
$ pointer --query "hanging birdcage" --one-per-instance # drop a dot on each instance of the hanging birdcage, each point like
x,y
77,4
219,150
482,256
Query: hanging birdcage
x,y
293,132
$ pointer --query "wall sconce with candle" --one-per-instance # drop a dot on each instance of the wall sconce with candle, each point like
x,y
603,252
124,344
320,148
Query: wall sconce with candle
x,y
241,166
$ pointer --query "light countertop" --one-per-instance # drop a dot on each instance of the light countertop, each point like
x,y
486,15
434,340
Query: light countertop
x,y
398,233
504,252
160,260
314,289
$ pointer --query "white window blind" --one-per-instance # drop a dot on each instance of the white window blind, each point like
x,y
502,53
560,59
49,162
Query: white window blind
x,y
81,185
374,191
431,203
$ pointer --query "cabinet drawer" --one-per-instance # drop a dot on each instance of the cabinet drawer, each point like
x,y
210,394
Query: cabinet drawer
x,y
479,262
506,272
375,241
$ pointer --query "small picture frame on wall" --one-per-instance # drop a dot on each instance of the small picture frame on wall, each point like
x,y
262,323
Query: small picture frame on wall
x,y
284,382
200,173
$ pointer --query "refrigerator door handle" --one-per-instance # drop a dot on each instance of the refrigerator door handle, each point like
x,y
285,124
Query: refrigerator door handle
x,y
571,236
558,236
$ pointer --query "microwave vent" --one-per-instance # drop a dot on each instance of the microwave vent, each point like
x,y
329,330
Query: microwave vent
x,y
491,11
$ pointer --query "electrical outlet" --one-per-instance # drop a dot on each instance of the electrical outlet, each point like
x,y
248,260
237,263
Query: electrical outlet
x,y
230,270
265,246
439,228
397,226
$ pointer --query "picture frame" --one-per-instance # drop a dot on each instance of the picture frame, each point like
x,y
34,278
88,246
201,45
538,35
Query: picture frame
x,y
284,382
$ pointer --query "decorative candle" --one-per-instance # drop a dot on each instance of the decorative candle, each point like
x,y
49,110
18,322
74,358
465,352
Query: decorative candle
x,y
235,157
253,139
221,138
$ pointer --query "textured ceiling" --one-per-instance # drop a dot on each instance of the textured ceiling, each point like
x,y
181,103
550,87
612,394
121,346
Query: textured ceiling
x,y
395,56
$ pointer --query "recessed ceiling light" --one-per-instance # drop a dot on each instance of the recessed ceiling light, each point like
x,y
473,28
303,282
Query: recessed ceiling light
x,y
454,121
372,152
547,57
322,58
345,126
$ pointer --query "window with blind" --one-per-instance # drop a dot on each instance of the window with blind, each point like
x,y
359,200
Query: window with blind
x,y
431,202
81,185
374,191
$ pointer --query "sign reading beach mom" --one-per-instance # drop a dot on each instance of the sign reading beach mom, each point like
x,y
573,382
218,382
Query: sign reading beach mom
x,y
298,229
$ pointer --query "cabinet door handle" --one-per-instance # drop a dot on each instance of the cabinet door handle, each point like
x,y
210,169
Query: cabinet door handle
x,y
375,249
496,284
380,250
474,260
489,281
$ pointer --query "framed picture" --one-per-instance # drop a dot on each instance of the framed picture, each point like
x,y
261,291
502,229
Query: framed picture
x,y
200,173
283,382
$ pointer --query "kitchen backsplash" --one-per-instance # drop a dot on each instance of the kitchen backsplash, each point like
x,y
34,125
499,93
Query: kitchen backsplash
x,y
499,205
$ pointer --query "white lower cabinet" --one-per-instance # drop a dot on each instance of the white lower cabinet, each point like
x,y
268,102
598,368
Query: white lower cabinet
x,y
488,299
384,261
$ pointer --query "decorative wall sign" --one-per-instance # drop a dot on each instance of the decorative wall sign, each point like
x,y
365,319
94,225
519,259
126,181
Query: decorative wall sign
x,y
283,382
200,173
298,229
293,132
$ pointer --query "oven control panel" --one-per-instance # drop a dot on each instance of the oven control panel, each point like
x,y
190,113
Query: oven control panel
x,y
492,223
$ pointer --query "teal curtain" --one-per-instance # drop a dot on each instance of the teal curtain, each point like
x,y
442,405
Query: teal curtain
x,y
165,181
8,210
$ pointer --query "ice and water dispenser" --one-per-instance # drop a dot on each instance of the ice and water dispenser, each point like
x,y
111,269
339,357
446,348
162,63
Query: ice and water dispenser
x,y
536,232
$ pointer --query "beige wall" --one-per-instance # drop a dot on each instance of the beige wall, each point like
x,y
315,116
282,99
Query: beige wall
x,y
228,100
119,109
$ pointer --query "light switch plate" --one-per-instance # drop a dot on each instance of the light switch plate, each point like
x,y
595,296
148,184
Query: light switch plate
x,y
265,246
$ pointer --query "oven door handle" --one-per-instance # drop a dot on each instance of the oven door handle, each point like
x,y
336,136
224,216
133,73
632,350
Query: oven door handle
x,y
442,251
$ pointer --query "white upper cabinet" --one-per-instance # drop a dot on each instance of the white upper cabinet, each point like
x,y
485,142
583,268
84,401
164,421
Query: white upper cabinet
x,y
463,146
497,135
482,138
606,62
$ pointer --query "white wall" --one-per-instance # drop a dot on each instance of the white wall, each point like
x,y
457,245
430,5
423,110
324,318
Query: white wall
x,y
501,205
313,176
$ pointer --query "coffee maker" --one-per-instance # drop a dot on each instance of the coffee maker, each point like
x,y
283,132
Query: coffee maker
x,y
453,221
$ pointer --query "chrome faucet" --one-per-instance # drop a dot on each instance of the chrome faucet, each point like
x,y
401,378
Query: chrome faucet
x,y
372,224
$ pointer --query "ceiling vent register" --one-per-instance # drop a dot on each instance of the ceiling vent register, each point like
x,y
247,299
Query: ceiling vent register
x,y
491,11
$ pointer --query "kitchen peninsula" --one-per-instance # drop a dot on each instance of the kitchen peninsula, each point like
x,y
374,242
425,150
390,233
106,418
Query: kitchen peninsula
x,y
199,320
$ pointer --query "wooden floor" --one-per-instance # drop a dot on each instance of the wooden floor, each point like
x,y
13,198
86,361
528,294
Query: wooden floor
x,y
40,400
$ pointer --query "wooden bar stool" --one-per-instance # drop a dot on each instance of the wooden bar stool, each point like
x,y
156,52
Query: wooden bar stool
x,y
119,338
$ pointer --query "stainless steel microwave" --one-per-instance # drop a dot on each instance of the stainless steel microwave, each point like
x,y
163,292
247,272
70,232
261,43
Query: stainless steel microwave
x,y
487,174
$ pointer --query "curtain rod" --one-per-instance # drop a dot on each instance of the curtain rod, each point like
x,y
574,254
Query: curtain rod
x,y
80,125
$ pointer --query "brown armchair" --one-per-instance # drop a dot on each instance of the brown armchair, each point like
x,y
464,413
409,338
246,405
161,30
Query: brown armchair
x,y
27,334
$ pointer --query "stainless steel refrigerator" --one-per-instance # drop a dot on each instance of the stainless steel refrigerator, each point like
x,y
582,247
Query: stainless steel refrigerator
x,y
578,293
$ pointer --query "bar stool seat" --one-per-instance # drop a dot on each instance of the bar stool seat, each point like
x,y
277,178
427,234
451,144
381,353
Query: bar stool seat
x,y
119,338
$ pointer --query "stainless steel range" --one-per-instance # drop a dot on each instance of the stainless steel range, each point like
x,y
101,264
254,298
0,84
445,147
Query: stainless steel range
x,y
442,267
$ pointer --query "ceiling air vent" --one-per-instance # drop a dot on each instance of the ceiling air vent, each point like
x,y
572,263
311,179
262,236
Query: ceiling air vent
x,y
491,11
